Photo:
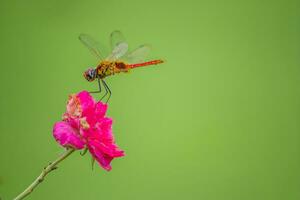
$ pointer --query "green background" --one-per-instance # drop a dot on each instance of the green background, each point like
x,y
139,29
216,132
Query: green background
x,y
218,121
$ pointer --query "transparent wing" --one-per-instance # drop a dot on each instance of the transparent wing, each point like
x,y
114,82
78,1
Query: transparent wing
x,y
95,47
138,55
116,38
119,51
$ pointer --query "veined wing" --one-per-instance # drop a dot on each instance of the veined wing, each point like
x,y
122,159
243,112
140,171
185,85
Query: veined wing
x,y
119,51
118,44
138,55
95,47
116,38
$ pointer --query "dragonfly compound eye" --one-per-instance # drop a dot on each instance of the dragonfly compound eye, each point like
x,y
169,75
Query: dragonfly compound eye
x,y
90,74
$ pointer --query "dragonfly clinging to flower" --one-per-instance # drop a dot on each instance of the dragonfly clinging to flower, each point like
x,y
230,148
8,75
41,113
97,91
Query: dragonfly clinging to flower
x,y
119,60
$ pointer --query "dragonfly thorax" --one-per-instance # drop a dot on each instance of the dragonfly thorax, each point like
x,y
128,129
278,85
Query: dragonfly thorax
x,y
108,68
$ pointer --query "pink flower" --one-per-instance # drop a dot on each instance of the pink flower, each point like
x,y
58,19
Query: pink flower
x,y
85,125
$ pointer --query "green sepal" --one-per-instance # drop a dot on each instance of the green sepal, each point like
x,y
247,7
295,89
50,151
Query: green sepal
x,y
82,153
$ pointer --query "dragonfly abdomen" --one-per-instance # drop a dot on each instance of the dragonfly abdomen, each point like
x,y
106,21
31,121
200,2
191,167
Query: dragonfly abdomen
x,y
152,62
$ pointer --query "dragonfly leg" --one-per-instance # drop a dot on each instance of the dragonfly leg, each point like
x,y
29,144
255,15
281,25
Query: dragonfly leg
x,y
107,90
104,89
99,85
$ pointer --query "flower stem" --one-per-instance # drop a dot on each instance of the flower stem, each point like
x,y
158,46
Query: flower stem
x,y
49,168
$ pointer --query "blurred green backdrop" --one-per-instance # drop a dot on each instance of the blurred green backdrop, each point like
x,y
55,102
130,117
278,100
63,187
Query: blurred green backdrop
x,y
218,121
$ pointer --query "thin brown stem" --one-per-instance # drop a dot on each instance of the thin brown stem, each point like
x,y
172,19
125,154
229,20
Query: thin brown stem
x,y
49,168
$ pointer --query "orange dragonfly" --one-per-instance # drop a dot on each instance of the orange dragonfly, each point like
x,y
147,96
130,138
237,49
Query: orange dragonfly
x,y
119,60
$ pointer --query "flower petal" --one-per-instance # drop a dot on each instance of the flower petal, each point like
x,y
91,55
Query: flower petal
x,y
67,136
73,107
103,160
110,149
87,103
102,155
100,110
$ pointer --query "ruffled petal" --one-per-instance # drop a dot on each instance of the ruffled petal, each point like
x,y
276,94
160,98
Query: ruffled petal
x,y
73,107
67,136
87,103
100,110
105,124
103,159
104,153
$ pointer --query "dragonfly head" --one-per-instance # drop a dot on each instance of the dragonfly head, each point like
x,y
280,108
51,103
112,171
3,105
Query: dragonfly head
x,y
90,74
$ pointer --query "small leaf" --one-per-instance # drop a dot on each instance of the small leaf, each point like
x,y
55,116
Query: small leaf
x,y
83,152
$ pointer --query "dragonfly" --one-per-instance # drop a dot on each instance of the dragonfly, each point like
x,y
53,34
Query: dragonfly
x,y
119,60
